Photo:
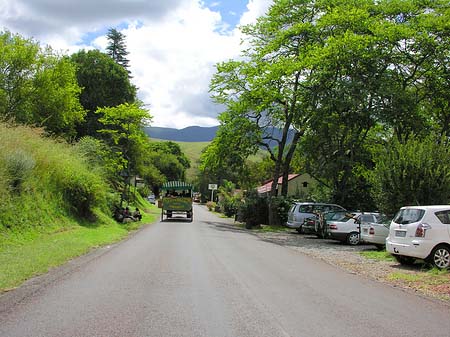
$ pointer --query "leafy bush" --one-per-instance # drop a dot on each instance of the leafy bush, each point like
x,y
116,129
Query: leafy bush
x,y
416,172
211,205
83,192
253,210
281,207
228,198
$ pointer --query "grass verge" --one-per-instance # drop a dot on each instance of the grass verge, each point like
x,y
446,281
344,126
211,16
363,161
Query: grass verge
x,y
32,254
434,282
377,255
276,229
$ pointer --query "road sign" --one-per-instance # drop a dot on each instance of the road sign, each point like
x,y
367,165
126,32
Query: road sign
x,y
212,187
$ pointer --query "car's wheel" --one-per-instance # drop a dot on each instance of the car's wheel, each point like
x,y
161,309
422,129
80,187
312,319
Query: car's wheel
x,y
299,230
405,260
440,257
353,239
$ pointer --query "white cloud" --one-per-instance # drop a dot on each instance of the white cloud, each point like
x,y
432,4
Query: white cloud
x,y
173,45
255,9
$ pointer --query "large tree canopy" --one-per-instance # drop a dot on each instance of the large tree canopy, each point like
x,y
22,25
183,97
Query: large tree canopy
x,y
338,75
105,84
37,86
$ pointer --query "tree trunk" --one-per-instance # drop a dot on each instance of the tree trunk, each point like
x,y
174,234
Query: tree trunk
x,y
273,194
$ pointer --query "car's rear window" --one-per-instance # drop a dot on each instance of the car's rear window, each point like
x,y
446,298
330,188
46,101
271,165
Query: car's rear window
x,y
306,209
334,216
409,215
384,219
367,218
322,208
292,208
444,217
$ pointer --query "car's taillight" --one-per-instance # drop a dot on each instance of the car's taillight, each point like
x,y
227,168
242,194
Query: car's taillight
x,y
333,226
422,229
372,231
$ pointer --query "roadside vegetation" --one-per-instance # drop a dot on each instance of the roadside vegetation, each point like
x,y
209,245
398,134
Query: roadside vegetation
x,y
73,153
354,93
55,205
434,282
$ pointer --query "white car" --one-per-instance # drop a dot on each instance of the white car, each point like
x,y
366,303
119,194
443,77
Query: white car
x,y
421,232
347,229
375,233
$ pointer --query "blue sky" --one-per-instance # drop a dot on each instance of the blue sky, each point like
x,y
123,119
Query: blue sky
x,y
231,10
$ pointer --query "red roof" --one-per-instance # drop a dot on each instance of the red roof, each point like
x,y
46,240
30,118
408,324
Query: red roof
x,y
267,187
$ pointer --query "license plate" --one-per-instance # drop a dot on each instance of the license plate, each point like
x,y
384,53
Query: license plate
x,y
400,234
365,230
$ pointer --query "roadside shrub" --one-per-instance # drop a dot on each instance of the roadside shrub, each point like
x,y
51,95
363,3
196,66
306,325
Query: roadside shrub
x,y
211,205
19,166
253,210
228,198
83,192
281,207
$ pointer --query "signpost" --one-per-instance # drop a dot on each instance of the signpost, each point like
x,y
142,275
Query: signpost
x,y
212,187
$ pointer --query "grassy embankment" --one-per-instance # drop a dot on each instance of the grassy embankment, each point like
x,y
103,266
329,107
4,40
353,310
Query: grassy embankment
x,y
420,276
54,206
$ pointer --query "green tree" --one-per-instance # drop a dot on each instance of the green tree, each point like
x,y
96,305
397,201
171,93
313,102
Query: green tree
x,y
370,70
124,135
413,172
267,87
169,159
104,83
117,48
37,86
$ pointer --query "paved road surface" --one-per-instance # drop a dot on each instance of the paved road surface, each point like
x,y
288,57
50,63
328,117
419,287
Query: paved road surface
x,y
207,278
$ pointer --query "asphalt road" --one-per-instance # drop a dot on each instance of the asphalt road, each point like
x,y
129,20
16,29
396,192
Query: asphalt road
x,y
207,278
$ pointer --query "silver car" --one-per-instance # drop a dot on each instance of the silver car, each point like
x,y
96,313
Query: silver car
x,y
300,211
376,233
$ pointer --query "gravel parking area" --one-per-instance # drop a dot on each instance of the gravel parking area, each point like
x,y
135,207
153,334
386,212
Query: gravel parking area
x,y
414,278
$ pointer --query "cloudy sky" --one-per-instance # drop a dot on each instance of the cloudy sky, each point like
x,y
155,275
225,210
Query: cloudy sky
x,y
173,44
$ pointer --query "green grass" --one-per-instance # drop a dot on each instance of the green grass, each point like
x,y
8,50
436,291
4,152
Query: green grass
x,y
377,255
28,254
275,229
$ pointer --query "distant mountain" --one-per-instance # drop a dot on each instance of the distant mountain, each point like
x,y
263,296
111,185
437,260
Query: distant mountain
x,y
189,134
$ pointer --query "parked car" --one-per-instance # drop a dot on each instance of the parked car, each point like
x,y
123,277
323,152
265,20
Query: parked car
x,y
299,211
376,232
347,228
317,226
421,232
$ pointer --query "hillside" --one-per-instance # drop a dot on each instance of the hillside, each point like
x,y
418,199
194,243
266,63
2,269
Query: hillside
x,y
189,134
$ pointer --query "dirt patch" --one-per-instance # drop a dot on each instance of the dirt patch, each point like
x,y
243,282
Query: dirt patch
x,y
417,278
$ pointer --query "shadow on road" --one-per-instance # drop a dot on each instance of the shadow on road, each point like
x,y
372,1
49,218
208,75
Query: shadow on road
x,y
225,227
